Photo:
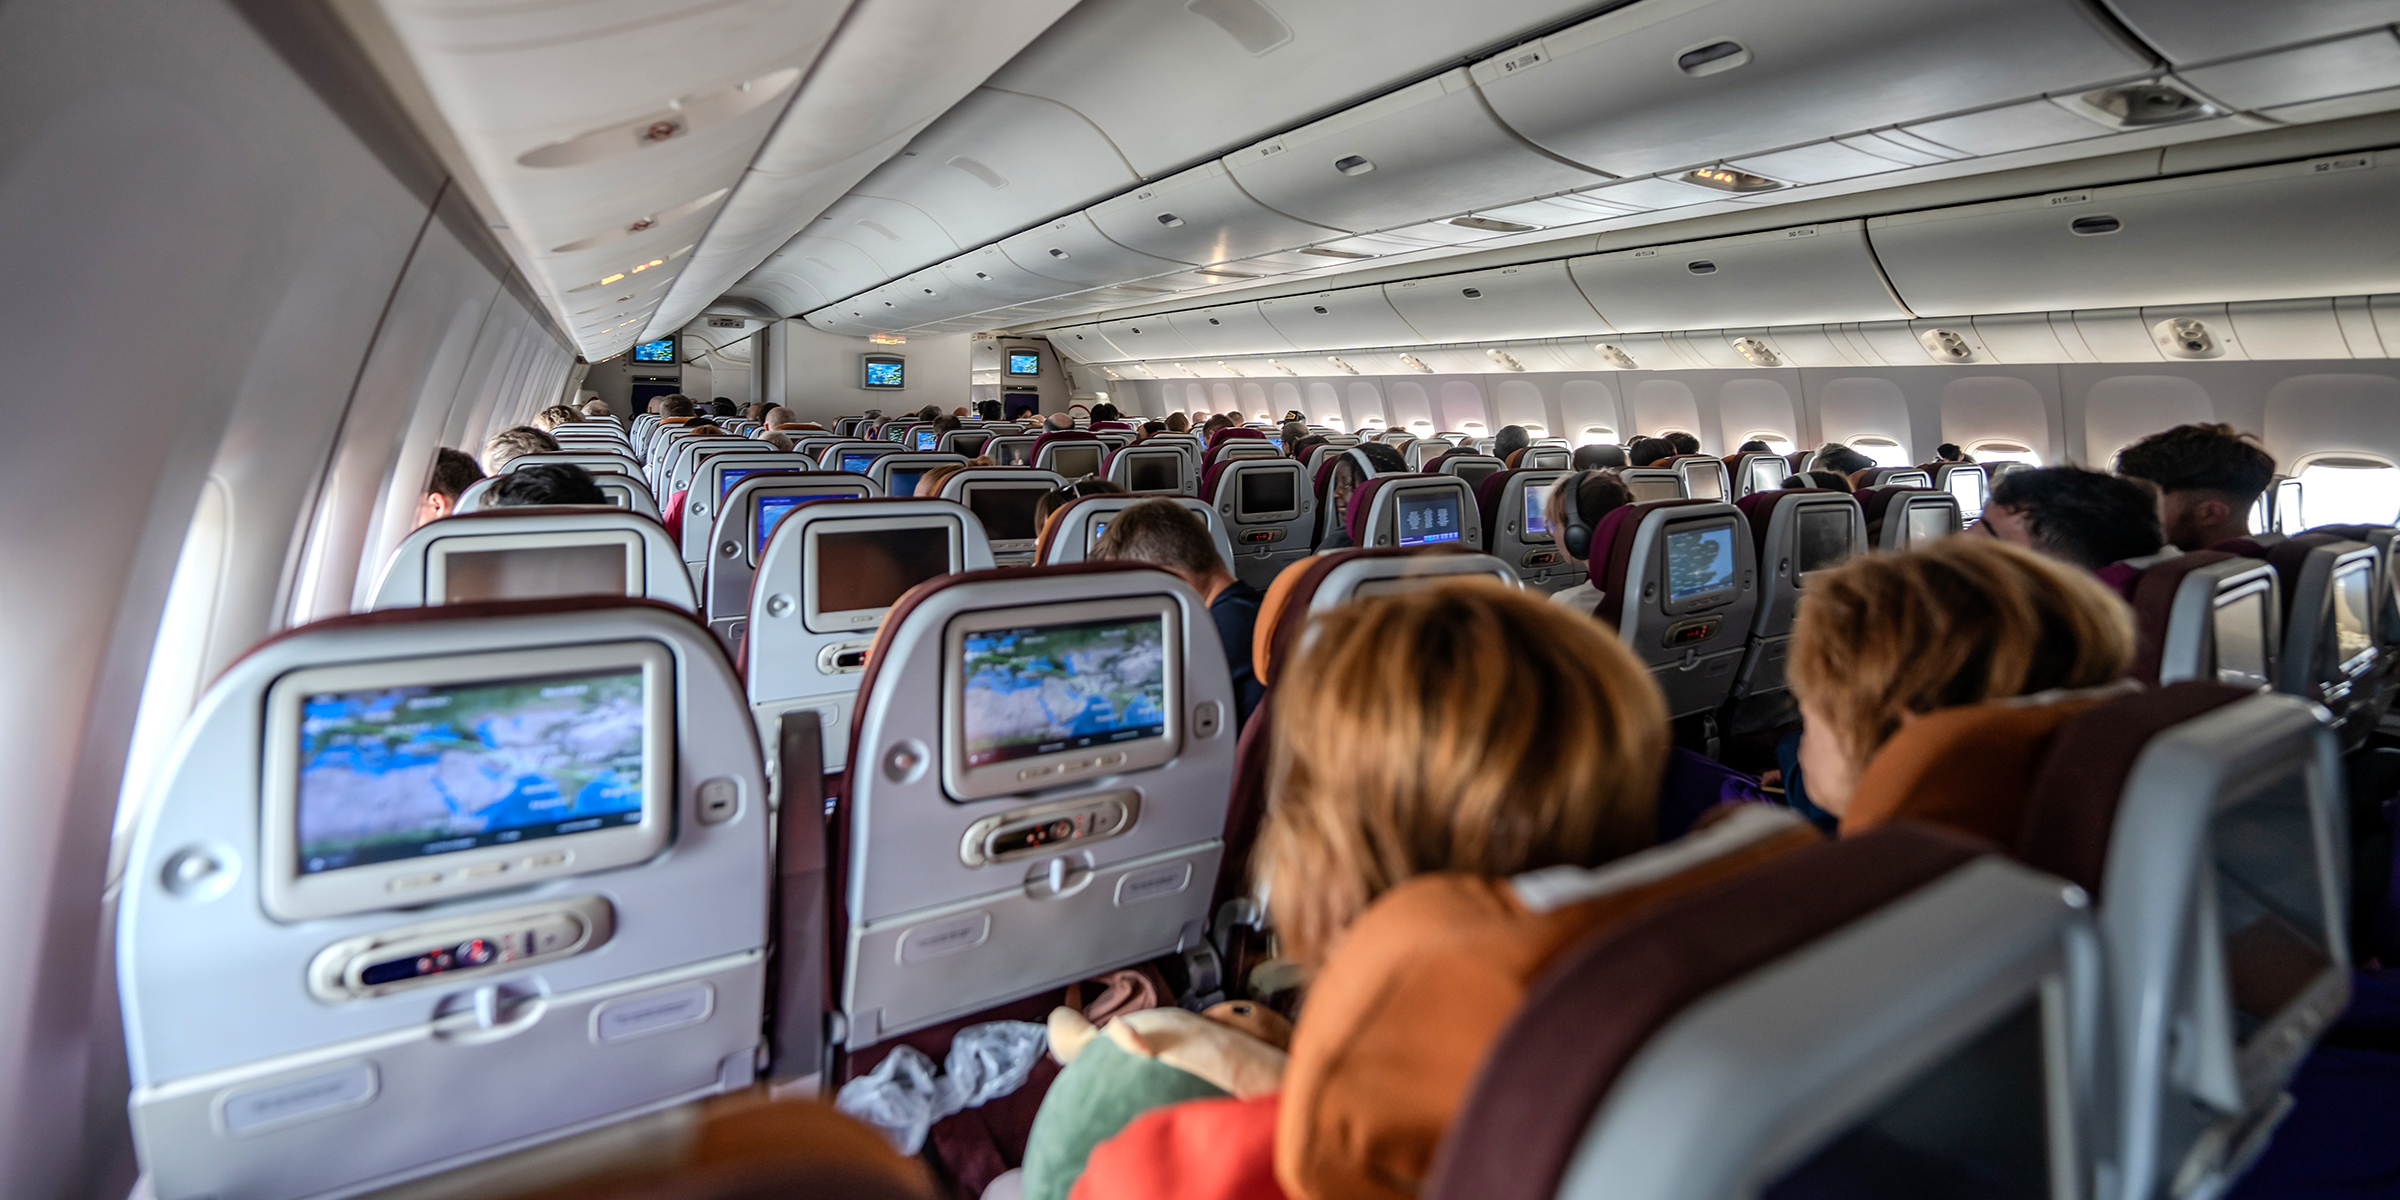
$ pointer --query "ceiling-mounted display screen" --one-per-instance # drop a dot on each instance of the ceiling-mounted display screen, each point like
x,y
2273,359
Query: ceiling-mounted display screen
x,y
660,351
883,372
1024,362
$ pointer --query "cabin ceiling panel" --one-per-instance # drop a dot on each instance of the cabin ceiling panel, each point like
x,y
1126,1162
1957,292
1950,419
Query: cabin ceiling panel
x,y
1075,254
1229,330
1339,319
1537,300
1201,217
2200,30
2367,62
1805,274
897,235
1636,91
999,162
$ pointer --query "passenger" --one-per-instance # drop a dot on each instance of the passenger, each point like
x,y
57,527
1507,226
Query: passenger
x,y
547,483
929,412
1649,451
1178,423
1293,432
1059,420
1596,494
676,408
1509,440
778,416
554,416
1058,498
1151,429
1347,475
1684,443
722,406
1841,460
962,412
597,409
2089,518
943,424
989,410
1827,480
2207,477
1214,423
753,411
1164,534
1598,457
929,484
1887,638
453,471
778,439
513,443
1300,449
1754,446
1950,453
1104,411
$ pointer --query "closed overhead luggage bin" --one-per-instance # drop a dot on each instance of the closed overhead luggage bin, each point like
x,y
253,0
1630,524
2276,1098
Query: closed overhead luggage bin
x,y
1804,275
1358,316
1536,300
1071,251
2192,31
1201,217
1228,329
2284,231
1652,88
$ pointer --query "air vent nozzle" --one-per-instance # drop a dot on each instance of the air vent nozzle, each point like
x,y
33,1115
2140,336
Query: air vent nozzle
x,y
1712,57
2095,226
1471,293
1701,267
2143,105
1947,344
2187,337
1615,356
1757,352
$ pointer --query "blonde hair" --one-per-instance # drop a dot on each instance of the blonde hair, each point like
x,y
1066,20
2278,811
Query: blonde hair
x,y
1466,726
1961,621
555,416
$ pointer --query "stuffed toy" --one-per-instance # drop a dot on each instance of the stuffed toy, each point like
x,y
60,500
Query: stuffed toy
x,y
1139,1061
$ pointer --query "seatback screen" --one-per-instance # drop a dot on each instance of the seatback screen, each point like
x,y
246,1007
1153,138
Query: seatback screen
x,y
1646,488
1154,473
1767,474
732,475
1704,484
472,575
869,570
404,772
1824,538
970,444
2352,614
2270,903
1537,520
1700,562
857,461
1013,454
926,439
1269,493
1076,461
1006,512
1046,688
2240,629
1968,486
1475,473
902,481
1429,516
1926,523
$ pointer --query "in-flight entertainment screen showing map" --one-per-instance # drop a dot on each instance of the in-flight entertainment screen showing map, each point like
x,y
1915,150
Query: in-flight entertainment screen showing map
x,y
403,772
1047,688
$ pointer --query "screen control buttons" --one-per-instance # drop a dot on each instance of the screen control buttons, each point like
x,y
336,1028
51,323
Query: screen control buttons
x,y
1045,828
438,952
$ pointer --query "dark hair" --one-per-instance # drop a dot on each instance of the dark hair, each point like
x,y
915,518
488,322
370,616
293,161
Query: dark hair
x,y
549,483
677,405
1058,498
1104,411
989,410
1300,449
1832,481
721,407
1684,443
2200,458
1647,450
1162,533
1153,428
2090,518
944,424
1840,459
452,471
1509,440
1595,457
1753,446
1949,452
1386,460
1597,494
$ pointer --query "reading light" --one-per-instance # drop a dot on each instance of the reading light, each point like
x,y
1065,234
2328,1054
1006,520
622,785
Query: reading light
x,y
1615,357
1507,362
1758,352
1280,367
1947,345
1343,367
1726,179
887,339
1413,363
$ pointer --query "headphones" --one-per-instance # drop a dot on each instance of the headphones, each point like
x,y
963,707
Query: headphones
x,y
1577,536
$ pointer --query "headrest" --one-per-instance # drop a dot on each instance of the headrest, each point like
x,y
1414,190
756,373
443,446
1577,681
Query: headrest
x,y
2151,591
1058,435
1878,500
2290,560
1398,1023
1118,426
2071,805
1210,476
1235,432
1969,768
1602,1000
1296,592
1354,518
405,574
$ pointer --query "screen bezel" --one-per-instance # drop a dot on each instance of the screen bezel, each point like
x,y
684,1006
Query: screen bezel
x,y
813,491
866,377
1135,460
1537,498
1242,514
1641,477
2256,593
1098,452
1008,363
1800,515
966,499
2262,1059
1453,493
289,895
1776,470
1714,471
674,353
2344,668
1714,598
1908,520
1039,772
819,620
439,550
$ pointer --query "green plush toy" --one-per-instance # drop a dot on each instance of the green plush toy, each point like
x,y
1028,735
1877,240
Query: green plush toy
x,y
1137,1062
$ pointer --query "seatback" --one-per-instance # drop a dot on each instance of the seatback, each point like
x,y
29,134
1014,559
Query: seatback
x,y
1265,507
524,553
1703,476
1153,470
1071,453
979,865
1421,453
1232,449
1010,449
1515,532
814,446
846,426
1474,468
1653,483
856,457
1075,527
1415,510
2288,519
923,438
2330,640
1793,534
2222,914
2386,540
2206,615
1679,583
1848,1019
1003,498
690,452
746,521
1899,517
1753,473
1336,577
712,483
627,492
1544,457
1395,437
1965,481
966,443
827,578
594,460
417,888
897,474
1879,477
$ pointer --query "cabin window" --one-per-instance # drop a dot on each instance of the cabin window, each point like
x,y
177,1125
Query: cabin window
x,y
1989,452
1776,442
1537,430
1885,451
1595,435
2348,490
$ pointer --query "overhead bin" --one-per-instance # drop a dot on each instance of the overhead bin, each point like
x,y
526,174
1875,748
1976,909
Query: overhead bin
x,y
1229,329
831,265
2316,228
998,162
2192,31
1427,150
1071,251
2009,127
1201,217
898,236
1803,275
1150,339
2264,82
1648,88
1339,320
987,276
1536,300
1085,343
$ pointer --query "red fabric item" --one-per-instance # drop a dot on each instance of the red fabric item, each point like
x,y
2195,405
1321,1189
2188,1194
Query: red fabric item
x,y
672,515
1197,1150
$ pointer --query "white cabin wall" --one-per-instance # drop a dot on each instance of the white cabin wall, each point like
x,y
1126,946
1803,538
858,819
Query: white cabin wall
x,y
819,372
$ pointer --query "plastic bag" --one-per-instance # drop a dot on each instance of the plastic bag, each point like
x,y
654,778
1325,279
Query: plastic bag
x,y
902,1097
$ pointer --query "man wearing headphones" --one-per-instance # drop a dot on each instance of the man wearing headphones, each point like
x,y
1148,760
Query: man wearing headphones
x,y
1574,508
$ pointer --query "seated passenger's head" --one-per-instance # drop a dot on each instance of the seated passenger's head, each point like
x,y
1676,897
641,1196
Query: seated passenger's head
x,y
1886,638
452,472
1178,423
596,407
779,415
1684,443
1215,422
1058,498
721,406
1164,534
1649,451
513,443
1347,474
929,412
1059,420
1292,433
1841,460
1464,727
1595,494
1509,440
1754,446
781,441
1828,480
2207,476
675,406
1151,429
1949,452
1598,457
549,483
2088,518
943,424
989,410
929,484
